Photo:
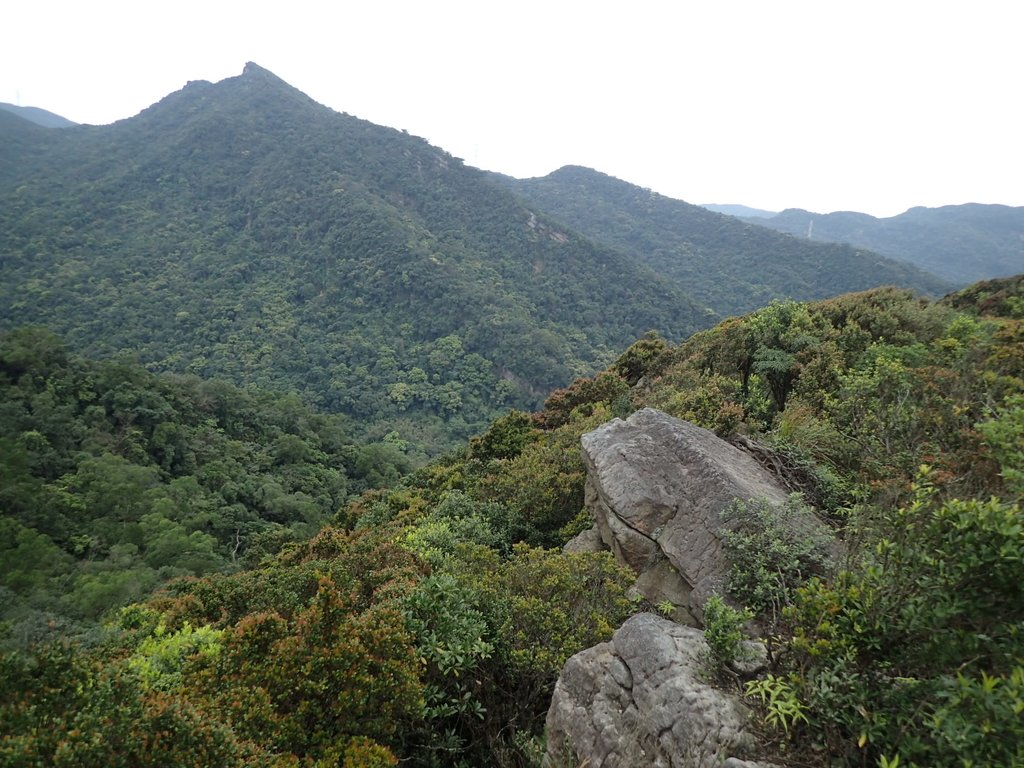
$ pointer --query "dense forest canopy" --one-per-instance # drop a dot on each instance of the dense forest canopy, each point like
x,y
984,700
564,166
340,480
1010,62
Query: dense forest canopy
x,y
115,480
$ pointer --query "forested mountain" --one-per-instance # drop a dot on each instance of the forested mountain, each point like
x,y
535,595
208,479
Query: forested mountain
x,y
427,624
241,230
960,243
728,265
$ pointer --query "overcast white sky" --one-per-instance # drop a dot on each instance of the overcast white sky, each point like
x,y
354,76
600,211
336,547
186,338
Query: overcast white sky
x,y
825,105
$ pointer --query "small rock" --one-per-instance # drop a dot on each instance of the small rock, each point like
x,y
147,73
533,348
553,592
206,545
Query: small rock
x,y
586,541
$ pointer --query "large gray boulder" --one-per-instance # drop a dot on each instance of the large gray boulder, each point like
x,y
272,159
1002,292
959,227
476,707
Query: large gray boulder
x,y
657,487
641,700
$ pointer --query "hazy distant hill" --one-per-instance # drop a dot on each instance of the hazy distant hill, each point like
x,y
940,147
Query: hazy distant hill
x,y
242,230
961,243
740,210
38,116
20,141
730,265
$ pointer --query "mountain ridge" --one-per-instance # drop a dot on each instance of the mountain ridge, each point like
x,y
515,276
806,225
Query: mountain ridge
x,y
731,266
961,243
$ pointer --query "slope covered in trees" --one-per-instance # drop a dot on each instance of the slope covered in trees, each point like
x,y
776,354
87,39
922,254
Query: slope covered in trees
x,y
422,623
726,264
115,480
426,623
960,243
240,230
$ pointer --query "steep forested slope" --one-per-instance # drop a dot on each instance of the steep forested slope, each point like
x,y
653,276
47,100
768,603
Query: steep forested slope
x,y
241,230
730,266
960,243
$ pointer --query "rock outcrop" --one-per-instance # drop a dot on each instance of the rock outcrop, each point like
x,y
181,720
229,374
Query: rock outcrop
x,y
657,487
640,700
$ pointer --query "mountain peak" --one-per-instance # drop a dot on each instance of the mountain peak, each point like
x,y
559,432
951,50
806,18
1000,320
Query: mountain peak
x,y
262,83
253,71
253,92
576,172
253,75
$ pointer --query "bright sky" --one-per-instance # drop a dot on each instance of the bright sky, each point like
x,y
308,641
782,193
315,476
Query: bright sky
x,y
825,105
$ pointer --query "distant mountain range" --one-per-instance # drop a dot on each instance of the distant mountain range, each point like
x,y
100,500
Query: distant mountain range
x,y
961,243
729,265
740,210
38,116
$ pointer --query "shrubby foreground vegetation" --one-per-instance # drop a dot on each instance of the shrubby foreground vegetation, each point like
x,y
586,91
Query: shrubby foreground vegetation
x,y
427,623
906,418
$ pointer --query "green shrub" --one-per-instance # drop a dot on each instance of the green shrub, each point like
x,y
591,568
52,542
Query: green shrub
x,y
917,654
981,719
723,632
771,551
159,658
451,640
1004,436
